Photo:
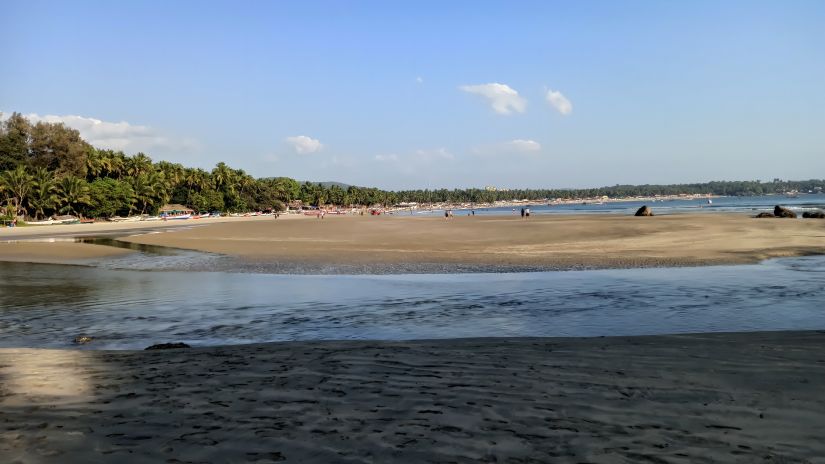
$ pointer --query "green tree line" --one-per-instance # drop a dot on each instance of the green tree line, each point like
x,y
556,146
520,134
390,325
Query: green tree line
x,y
48,169
721,188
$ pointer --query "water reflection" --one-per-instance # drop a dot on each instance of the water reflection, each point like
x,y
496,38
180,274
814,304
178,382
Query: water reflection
x,y
139,247
47,305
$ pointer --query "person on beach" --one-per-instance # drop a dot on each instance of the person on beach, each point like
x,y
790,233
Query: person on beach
x,y
527,212
522,213
446,215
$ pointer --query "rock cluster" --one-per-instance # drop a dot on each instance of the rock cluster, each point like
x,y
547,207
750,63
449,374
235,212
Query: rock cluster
x,y
782,212
167,346
644,211
814,214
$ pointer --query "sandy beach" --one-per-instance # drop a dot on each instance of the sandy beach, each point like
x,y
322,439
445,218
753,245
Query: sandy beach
x,y
54,243
413,244
745,397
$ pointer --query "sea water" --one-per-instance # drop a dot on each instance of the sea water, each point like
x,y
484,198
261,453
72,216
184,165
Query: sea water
x,y
745,204
45,305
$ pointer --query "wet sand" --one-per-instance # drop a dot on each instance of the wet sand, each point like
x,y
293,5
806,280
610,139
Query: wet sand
x,y
57,252
745,397
503,242
53,244
364,244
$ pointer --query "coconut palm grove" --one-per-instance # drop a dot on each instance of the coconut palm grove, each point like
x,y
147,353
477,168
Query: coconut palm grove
x,y
48,169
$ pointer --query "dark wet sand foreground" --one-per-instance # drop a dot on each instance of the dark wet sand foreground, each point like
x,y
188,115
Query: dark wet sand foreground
x,y
747,397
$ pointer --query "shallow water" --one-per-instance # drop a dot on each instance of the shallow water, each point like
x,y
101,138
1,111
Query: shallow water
x,y
48,305
748,205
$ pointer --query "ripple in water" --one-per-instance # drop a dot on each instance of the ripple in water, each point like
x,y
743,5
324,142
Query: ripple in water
x,y
48,305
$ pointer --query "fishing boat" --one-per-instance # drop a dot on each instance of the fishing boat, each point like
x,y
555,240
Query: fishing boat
x,y
169,217
175,212
55,221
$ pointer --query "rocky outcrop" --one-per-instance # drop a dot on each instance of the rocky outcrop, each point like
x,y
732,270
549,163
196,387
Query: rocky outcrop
x,y
83,339
167,346
644,211
814,214
765,215
781,212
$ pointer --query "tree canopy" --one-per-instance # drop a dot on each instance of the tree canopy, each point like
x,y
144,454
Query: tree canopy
x,y
47,168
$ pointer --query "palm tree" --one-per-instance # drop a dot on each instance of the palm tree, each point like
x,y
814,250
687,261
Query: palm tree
x,y
138,164
72,193
150,189
173,172
196,179
162,187
43,194
18,183
223,177
115,165
94,164
245,182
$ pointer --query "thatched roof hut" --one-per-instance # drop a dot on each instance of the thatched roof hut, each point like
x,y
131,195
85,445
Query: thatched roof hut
x,y
175,209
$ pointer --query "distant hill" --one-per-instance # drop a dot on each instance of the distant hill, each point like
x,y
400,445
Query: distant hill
x,y
326,184
330,183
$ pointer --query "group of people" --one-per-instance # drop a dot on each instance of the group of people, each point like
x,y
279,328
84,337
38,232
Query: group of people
x,y
525,212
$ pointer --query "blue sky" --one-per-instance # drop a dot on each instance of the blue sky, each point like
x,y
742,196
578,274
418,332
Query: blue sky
x,y
421,94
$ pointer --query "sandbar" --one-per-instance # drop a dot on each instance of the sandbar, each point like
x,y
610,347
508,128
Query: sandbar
x,y
503,242
398,244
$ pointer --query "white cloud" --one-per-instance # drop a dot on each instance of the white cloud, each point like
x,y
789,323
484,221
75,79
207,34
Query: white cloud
x,y
392,157
512,147
503,98
114,135
523,146
559,102
419,79
304,145
433,154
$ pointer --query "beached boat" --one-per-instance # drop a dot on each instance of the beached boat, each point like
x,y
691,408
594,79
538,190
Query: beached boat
x,y
175,212
169,217
55,221
47,222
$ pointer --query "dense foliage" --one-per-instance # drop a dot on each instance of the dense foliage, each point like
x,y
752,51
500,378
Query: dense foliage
x,y
48,169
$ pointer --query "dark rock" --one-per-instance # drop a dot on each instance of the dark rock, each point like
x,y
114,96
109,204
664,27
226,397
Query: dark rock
x,y
764,215
779,211
167,346
644,211
814,214
83,339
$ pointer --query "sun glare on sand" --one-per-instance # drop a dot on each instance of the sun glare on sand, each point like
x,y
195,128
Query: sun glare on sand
x,y
54,376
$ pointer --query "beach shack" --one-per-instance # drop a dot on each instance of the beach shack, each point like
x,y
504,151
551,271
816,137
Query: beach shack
x,y
175,211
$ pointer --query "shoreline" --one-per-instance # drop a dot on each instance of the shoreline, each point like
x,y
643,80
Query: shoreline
x,y
690,397
399,245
